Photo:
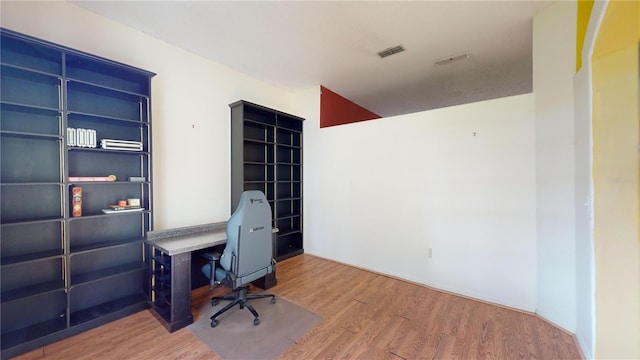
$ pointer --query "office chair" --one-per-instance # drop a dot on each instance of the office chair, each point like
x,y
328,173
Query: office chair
x,y
247,255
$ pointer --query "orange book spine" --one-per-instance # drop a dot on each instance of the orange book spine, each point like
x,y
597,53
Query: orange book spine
x,y
76,201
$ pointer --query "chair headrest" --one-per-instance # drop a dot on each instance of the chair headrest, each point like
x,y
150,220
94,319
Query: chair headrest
x,y
252,198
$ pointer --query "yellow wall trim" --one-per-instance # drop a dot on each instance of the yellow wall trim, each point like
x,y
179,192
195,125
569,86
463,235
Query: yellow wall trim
x,y
584,14
620,28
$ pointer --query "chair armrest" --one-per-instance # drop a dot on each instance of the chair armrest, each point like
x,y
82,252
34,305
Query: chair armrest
x,y
212,257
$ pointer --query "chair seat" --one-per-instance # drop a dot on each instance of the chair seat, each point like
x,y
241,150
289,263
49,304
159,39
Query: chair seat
x,y
211,256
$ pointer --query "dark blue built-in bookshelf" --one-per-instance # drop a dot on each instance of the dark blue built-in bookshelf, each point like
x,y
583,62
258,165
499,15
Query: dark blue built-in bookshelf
x,y
61,274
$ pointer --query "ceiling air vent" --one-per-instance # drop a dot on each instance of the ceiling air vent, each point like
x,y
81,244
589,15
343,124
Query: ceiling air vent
x,y
452,58
390,51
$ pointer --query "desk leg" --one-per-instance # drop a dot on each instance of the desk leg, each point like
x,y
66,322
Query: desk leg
x,y
180,291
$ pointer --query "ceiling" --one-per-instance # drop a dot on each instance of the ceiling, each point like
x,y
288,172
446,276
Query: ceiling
x,y
300,44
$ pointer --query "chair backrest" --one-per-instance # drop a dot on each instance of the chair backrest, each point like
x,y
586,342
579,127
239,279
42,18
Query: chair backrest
x,y
248,252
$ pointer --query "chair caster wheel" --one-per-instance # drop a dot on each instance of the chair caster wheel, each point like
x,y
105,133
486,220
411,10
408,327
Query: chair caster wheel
x,y
214,323
214,302
241,306
273,300
256,322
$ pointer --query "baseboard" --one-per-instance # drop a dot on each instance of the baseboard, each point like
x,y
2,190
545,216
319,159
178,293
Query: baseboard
x,y
427,286
586,353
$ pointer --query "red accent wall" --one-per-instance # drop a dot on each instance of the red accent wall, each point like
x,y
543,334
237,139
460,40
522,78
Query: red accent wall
x,y
337,110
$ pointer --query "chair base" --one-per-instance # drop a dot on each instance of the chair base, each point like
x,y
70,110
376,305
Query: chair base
x,y
241,297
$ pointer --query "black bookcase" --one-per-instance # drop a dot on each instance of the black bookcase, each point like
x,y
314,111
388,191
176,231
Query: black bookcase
x,y
61,274
266,155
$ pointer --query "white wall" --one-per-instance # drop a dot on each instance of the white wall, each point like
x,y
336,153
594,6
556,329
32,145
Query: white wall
x,y
585,269
190,97
379,194
554,64
585,256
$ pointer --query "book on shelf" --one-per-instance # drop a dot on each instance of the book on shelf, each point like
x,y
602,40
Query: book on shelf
x,y
76,201
124,207
71,137
91,178
112,211
113,144
81,137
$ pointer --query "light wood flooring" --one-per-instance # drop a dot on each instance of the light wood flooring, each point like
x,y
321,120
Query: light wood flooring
x,y
365,316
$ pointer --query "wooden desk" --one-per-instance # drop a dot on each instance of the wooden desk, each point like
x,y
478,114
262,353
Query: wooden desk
x,y
170,269
187,243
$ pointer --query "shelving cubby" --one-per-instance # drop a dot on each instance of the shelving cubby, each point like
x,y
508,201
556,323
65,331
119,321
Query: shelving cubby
x,y
61,274
161,286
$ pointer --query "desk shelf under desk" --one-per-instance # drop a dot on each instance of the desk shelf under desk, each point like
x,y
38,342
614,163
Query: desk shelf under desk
x,y
170,269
